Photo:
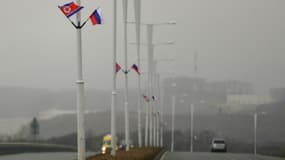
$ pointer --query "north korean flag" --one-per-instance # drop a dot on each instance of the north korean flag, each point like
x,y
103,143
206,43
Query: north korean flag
x,y
70,9
117,68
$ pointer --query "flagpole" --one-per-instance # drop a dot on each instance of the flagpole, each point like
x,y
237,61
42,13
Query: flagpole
x,y
152,93
161,95
154,101
150,49
114,91
125,16
173,122
80,93
160,130
137,6
159,111
146,124
157,129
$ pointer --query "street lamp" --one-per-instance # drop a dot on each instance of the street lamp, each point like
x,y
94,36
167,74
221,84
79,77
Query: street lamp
x,y
191,108
159,128
255,116
173,118
191,126
150,125
114,86
150,74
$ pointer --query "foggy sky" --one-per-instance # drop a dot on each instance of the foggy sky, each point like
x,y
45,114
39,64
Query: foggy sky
x,y
235,39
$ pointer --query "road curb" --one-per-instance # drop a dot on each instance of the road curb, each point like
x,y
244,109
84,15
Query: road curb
x,y
161,155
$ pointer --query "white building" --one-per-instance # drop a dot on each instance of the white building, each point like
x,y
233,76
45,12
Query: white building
x,y
239,102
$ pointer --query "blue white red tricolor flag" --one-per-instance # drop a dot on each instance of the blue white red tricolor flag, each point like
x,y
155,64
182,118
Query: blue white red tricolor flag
x,y
96,17
117,68
136,68
70,9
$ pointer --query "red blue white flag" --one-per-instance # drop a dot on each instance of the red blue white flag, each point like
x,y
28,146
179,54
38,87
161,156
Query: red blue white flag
x,y
70,9
96,17
136,68
117,68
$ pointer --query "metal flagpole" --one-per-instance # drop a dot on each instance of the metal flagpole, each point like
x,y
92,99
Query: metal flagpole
x,y
150,51
80,93
125,14
153,107
154,125
146,124
255,126
155,104
159,113
191,127
114,92
173,123
157,129
156,117
137,6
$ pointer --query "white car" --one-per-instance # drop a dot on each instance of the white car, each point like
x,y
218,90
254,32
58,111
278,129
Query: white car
x,y
219,145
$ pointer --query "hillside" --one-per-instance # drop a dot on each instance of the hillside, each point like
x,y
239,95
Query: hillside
x,y
236,126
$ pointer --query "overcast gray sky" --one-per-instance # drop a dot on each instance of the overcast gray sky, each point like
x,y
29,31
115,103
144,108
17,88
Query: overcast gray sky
x,y
235,39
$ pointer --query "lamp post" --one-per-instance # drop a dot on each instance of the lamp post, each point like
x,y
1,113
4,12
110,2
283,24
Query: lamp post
x,y
191,126
114,87
255,117
160,101
125,16
159,128
173,118
80,93
137,7
158,121
150,91
255,125
173,123
150,73
149,131
161,114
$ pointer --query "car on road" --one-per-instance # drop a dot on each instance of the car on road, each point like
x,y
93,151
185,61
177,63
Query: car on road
x,y
218,145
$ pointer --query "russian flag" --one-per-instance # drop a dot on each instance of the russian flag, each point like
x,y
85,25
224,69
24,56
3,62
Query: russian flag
x,y
70,9
96,17
136,68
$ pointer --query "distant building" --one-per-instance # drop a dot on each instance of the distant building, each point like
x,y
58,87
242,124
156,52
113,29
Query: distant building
x,y
277,94
248,99
220,90
194,88
232,87
198,89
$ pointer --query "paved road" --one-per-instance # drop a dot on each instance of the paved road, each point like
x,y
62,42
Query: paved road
x,y
213,156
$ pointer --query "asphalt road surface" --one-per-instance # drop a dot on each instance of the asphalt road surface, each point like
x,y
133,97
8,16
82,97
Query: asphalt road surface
x,y
213,156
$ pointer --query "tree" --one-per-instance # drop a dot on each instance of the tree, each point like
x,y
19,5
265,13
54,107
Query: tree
x,y
34,128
